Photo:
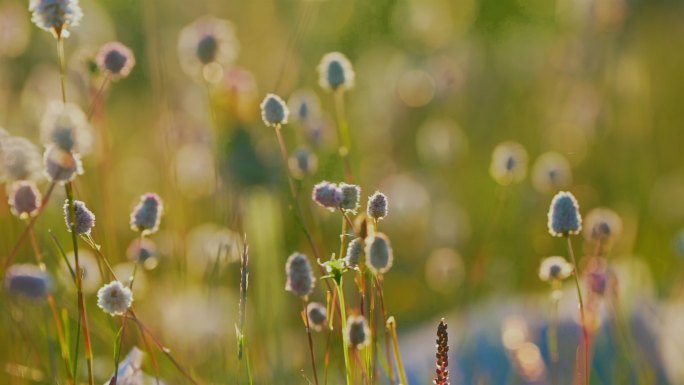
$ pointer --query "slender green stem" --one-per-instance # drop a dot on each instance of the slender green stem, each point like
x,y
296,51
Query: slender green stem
x,y
62,67
83,315
585,332
392,326
553,331
308,335
345,343
388,353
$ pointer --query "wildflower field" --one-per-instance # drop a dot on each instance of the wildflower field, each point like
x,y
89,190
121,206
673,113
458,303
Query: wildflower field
x,y
473,192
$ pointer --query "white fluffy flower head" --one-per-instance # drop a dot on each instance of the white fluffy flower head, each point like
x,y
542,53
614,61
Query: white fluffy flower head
x,y
114,298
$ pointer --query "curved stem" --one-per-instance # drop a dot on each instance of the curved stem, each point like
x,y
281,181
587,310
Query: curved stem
x,y
308,335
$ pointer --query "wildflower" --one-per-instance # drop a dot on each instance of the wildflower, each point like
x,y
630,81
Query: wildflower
x,y
300,277
564,216
551,172
85,219
357,332
24,199
442,354
115,59
335,72
597,276
327,195
130,370
28,281
509,163
66,127
274,111
302,162
350,197
354,250
379,256
61,166
554,268
318,315
602,225
304,105
56,16
144,251
377,206
146,215
20,159
114,298
207,42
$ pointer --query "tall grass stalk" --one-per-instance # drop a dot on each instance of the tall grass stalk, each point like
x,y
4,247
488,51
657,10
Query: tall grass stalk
x,y
392,326
345,342
388,352
585,331
309,338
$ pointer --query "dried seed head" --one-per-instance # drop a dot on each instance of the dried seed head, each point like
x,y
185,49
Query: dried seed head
x,y
509,163
300,277
335,72
66,127
24,199
602,225
554,269
442,372
302,163
379,256
551,172
56,16
114,298
354,251
350,196
147,214
115,59
327,195
377,206
357,332
61,166
85,219
20,159
318,316
274,111
564,216
28,281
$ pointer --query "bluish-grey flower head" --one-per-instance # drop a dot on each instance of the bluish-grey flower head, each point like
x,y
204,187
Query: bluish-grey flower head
x,y
564,217
302,162
56,16
379,255
318,315
24,199
304,105
147,214
274,111
207,43
351,194
354,251
551,172
300,277
554,268
114,298
85,219
143,251
20,159
115,59
61,166
335,72
66,127
377,206
130,370
602,225
509,163
327,195
28,281
357,334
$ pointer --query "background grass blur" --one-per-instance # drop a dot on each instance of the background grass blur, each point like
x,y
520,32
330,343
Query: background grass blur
x,y
439,84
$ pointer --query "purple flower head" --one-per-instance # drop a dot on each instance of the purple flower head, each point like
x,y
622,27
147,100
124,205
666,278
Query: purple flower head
x,y
146,215
300,277
85,219
327,195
